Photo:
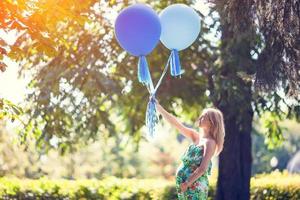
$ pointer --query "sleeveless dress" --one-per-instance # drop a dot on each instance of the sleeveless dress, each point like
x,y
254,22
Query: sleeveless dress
x,y
191,160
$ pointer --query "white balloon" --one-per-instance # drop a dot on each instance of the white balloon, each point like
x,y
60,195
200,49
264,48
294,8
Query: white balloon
x,y
180,26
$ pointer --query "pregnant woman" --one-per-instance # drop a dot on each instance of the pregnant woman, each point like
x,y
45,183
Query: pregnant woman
x,y
192,174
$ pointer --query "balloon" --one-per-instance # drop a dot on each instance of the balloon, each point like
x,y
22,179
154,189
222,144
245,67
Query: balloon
x,y
138,29
180,26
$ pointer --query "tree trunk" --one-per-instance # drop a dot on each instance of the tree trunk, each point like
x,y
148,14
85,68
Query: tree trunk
x,y
235,97
235,160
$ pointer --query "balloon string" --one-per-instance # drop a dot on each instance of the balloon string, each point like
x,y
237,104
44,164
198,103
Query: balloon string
x,y
151,115
150,87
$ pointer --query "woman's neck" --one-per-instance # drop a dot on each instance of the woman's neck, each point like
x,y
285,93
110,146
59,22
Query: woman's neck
x,y
205,133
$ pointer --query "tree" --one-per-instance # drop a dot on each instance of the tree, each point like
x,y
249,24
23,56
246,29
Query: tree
x,y
37,20
51,32
276,65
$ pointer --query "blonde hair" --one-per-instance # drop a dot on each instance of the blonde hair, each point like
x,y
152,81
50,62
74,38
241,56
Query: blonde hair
x,y
217,131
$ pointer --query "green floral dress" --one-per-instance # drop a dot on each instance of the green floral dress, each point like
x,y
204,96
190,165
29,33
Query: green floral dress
x,y
191,159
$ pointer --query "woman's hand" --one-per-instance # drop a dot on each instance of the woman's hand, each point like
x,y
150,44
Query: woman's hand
x,y
158,106
184,186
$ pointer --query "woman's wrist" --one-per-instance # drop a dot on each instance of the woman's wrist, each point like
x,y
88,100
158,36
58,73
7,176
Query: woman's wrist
x,y
188,182
159,108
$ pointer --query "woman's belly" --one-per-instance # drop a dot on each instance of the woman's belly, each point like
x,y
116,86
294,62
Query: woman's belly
x,y
200,186
182,173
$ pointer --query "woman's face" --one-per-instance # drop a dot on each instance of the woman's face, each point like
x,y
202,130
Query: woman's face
x,y
203,121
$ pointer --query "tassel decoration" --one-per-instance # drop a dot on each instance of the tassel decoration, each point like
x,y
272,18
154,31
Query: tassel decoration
x,y
151,117
143,71
175,65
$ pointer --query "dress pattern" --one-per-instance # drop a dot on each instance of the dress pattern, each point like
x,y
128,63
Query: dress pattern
x,y
191,160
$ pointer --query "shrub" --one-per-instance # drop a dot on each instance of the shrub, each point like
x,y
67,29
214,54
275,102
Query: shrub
x,y
279,186
110,188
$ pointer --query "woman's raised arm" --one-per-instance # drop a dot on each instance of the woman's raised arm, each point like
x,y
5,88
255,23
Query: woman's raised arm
x,y
186,131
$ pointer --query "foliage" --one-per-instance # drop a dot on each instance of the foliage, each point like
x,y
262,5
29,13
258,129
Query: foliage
x,y
250,55
115,156
68,92
279,59
281,153
63,101
9,110
75,56
109,188
83,83
276,55
276,185
38,21
273,131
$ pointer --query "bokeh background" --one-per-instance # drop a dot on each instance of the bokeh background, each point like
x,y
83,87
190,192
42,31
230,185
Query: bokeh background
x,y
71,107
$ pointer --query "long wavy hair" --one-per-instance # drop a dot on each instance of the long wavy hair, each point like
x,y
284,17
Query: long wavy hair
x,y
217,130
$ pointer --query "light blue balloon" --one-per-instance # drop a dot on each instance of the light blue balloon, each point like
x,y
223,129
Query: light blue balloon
x,y
180,26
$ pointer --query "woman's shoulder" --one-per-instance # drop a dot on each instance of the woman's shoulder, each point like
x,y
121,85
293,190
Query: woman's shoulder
x,y
207,142
196,137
